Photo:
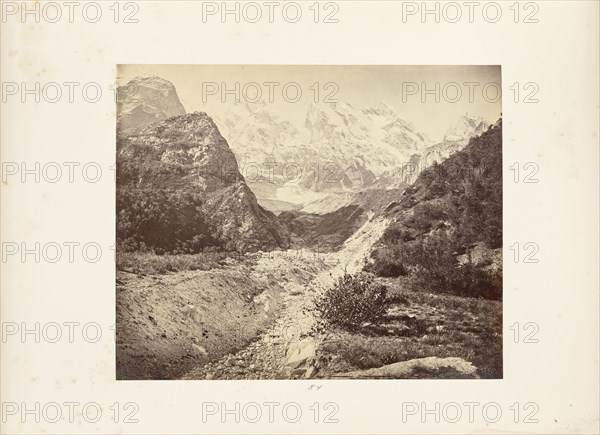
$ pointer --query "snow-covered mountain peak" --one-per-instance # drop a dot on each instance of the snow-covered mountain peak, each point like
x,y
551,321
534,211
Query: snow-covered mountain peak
x,y
380,109
466,127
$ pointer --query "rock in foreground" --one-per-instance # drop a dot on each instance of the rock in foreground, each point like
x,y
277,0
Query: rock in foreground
x,y
430,368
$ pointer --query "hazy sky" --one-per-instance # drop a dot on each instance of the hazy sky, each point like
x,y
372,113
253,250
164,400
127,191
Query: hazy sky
x,y
410,90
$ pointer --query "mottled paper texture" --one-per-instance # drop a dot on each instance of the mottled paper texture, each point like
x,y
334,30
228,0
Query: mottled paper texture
x,y
383,242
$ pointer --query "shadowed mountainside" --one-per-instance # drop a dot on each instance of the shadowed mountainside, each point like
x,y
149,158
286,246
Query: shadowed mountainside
x,y
179,190
446,230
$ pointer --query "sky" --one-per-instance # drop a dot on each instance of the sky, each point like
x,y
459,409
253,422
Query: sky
x,y
411,90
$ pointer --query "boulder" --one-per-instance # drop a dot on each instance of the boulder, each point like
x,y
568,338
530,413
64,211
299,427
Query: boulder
x,y
298,352
199,349
425,368
263,298
298,372
193,313
311,372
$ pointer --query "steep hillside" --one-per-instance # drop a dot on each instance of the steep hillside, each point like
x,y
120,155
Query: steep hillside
x,y
179,190
328,230
446,233
455,139
323,232
339,148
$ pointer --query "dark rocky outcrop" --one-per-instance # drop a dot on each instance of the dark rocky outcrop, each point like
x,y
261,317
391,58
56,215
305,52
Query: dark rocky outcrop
x,y
179,179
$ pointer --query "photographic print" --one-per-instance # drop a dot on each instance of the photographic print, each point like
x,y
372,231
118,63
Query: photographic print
x,y
299,217
308,222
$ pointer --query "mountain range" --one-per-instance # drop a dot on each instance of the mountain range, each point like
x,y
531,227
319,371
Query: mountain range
x,y
186,182
339,149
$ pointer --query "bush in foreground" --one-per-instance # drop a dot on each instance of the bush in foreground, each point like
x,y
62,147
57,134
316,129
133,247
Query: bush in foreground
x,y
353,300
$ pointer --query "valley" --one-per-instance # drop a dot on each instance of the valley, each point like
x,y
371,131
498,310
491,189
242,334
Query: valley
x,y
253,317
375,254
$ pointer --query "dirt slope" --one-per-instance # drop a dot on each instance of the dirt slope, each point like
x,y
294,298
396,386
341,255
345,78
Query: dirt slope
x,y
167,324
287,349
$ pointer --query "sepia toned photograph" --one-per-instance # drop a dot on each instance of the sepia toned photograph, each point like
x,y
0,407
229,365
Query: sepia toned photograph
x,y
324,217
309,222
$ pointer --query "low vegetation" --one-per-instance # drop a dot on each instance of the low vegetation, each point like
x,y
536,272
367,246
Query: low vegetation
x,y
440,263
161,221
451,208
179,191
351,301
420,325
149,263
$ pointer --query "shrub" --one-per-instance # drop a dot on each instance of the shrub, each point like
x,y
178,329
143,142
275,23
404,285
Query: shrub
x,y
388,268
162,221
466,281
450,208
434,268
395,234
473,281
353,300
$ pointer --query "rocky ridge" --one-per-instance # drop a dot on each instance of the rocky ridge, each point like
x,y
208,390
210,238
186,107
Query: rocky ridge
x,y
187,154
144,101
